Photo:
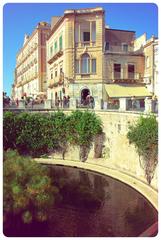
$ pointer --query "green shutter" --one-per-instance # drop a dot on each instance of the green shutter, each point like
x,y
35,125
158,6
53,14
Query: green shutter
x,y
60,43
55,46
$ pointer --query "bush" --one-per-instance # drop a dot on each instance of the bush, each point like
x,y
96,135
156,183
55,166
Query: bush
x,y
144,135
31,134
59,126
34,134
37,134
28,191
82,128
9,131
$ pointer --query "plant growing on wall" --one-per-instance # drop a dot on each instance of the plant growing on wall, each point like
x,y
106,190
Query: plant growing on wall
x,y
59,137
28,190
37,134
82,128
144,135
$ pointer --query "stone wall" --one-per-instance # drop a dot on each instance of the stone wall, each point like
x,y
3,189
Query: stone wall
x,y
117,152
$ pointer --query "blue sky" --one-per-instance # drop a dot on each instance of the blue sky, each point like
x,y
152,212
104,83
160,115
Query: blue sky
x,y
21,18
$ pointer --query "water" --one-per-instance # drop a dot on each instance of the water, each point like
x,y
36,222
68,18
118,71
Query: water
x,y
93,205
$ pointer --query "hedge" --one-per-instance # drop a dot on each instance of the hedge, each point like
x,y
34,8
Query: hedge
x,y
38,134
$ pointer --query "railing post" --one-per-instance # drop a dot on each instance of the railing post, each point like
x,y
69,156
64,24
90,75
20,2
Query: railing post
x,y
148,105
47,103
21,104
123,104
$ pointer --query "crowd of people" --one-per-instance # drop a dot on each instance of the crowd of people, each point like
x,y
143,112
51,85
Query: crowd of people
x,y
58,102
63,103
88,101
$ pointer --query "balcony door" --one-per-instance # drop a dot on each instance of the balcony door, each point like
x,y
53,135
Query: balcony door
x,y
117,71
131,71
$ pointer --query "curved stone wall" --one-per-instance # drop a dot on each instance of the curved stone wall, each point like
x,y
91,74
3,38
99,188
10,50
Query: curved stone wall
x,y
118,155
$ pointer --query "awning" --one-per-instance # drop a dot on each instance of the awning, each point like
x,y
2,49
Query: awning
x,y
119,91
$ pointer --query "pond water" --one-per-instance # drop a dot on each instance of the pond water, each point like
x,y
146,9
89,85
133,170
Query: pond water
x,y
92,205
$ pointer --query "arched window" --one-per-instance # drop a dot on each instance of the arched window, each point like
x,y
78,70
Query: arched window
x,y
85,63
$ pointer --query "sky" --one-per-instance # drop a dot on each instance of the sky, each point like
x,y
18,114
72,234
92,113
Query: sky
x,y
21,18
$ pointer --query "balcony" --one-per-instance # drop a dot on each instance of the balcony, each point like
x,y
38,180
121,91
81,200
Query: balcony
x,y
131,78
55,56
120,49
85,43
56,81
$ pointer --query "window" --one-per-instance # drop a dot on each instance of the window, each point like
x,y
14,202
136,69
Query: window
x,y
77,70
55,46
61,69
86,36
60,43
85,63
56,73
107,46
77,33
117,71
51,51
125,47
93,31
131,71
147,62
93,65
51,75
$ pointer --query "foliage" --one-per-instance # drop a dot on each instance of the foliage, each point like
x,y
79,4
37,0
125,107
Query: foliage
x,y
9,131
59,137
37,134
28,192
144,135
34,133
82,128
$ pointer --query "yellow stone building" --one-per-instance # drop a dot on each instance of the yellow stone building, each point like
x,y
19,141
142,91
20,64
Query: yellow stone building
x,y
151,53
30,71
86,58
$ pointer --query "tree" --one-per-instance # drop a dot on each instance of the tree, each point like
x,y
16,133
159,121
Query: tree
x,y
28,190
144,135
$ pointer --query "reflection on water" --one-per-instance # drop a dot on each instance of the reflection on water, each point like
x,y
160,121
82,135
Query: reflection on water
x,y
94,205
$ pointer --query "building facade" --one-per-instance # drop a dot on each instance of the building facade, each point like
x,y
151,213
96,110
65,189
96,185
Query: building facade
x,y
81,59
30,71
74,50
85,58
151,53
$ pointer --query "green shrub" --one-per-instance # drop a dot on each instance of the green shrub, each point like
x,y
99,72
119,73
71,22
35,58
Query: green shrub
x,y
144,135
9,131
82,127
37,134
59,126
28,190
34,134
